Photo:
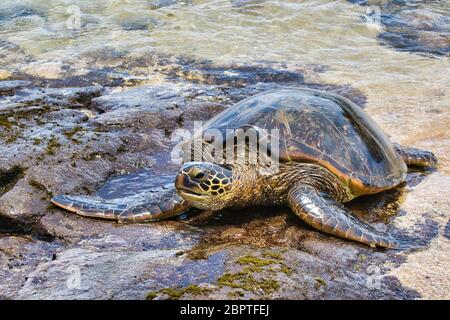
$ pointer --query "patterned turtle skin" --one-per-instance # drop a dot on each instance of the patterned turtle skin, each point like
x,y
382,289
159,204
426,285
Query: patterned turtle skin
x,y
329,150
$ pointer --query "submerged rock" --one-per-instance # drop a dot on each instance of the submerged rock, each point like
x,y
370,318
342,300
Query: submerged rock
x,y
10,87
20,14
251,7
413,26
11,54
141,24
157,4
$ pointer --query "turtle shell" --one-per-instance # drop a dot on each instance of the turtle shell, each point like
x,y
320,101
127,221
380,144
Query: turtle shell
x,y
324,128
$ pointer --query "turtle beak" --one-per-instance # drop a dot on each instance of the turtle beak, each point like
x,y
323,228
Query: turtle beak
x,y
185,186
181,180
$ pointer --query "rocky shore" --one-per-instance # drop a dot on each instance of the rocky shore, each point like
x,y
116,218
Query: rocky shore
x,y
108,131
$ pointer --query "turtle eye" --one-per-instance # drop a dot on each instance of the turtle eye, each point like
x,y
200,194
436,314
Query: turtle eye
x,y
199,176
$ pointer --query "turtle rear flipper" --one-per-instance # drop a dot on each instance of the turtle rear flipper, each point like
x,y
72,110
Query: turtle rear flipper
x,y
154,206
322,212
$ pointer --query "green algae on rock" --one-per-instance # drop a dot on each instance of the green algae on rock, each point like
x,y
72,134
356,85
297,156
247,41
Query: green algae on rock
x,y
246,280
177,293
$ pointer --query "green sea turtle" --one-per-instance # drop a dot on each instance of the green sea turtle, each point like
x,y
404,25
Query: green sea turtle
x,y
330,151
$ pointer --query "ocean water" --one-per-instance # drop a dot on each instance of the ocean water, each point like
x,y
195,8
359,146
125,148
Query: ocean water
x,y
395,52
355,42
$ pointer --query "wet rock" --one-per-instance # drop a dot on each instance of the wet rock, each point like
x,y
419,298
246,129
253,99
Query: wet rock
x,y
107,235
95,274
238,82
236,76
88,274
9,226
164,107
19,256
9,178
46,128
150,97
268,273
9,87
42,97
108,270
114,140
125,185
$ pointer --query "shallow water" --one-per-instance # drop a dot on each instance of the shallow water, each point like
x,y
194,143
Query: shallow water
x,y
337,36
395,53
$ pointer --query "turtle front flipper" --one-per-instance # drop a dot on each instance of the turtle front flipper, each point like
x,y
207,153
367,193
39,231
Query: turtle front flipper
x,y
322,212
416,157
156,204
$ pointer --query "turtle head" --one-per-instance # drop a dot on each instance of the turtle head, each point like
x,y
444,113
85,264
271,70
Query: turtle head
x,y
205,185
